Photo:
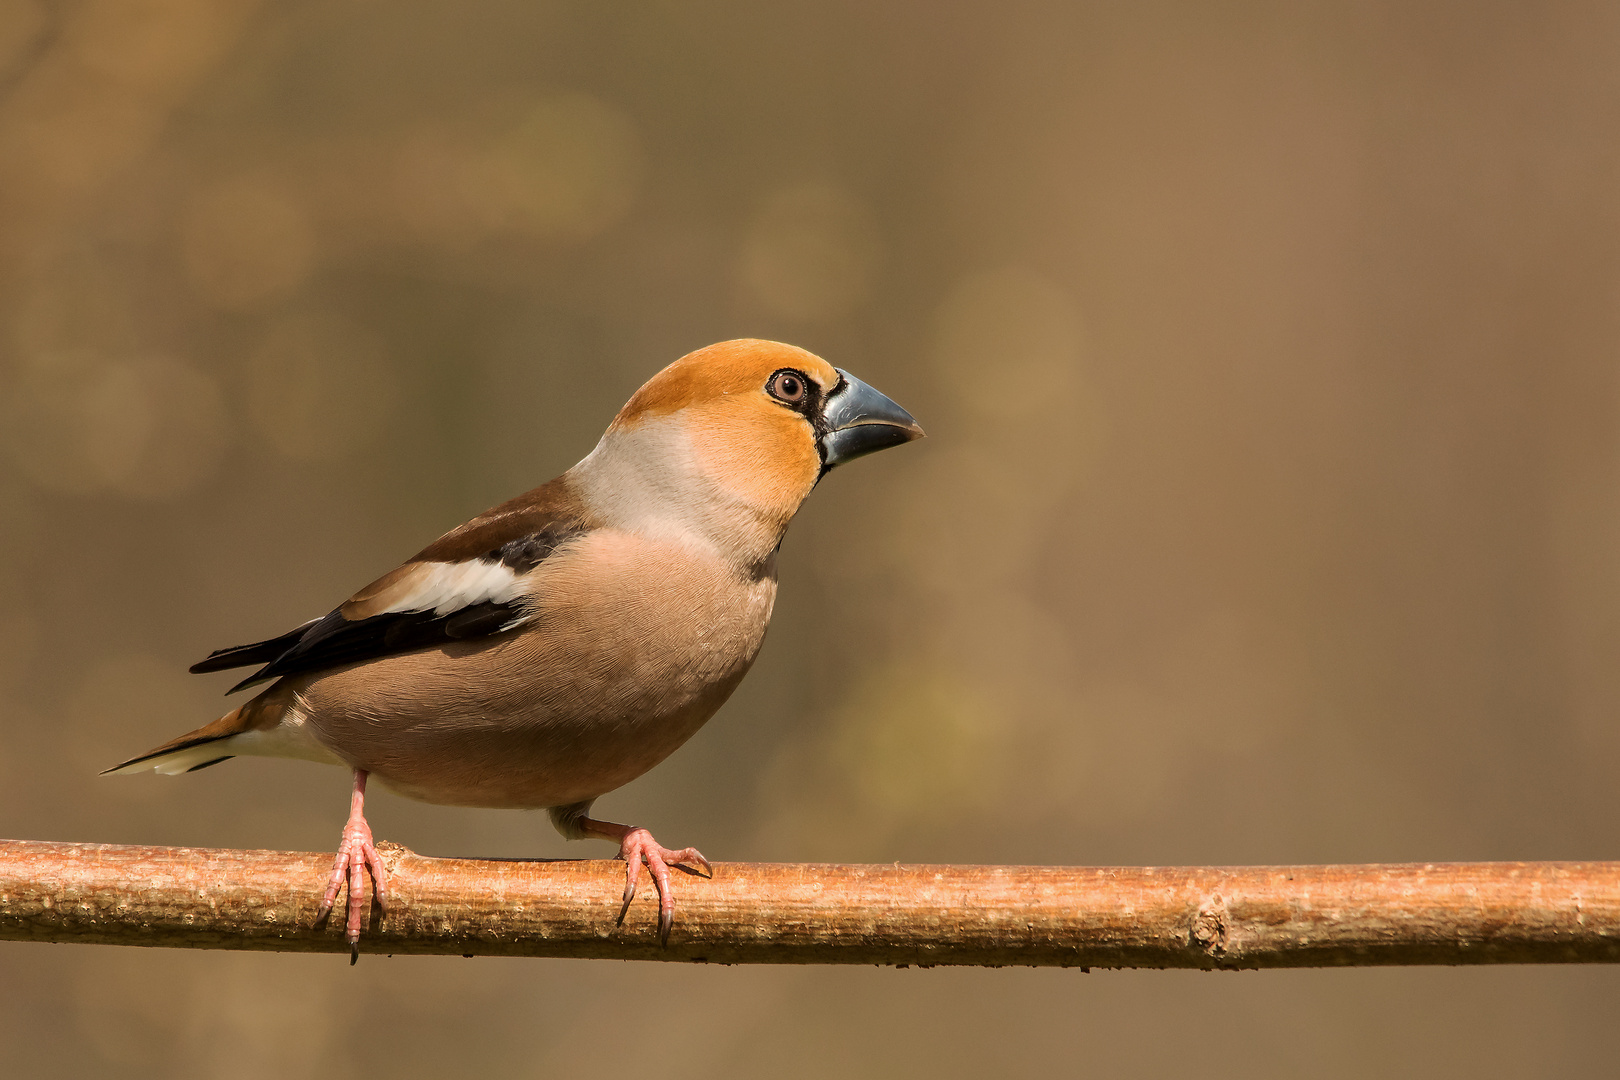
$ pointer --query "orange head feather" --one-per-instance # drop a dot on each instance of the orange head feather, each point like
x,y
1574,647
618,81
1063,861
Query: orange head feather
x,y
745,438
727,442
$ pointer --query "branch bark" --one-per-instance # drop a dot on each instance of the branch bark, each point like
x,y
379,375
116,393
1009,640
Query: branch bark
x,y
1141,917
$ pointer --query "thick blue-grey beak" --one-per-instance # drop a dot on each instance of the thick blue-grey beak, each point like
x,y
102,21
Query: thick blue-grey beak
x,y
859,421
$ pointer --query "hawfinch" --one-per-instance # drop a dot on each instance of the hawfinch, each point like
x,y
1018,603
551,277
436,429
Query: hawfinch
x,y
565,642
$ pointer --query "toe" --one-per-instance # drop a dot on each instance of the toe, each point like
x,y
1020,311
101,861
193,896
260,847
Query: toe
x,y
659,870
338,879
379,877
687,858
666,915
357,897
632,876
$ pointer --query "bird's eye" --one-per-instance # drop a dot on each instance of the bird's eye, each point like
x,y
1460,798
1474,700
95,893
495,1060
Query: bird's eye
x,y
788,387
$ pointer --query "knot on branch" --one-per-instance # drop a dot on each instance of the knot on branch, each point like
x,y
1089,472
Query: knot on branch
x,y
1210,927
393,854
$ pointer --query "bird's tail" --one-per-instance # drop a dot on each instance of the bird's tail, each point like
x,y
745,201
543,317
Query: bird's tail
x,y
199,749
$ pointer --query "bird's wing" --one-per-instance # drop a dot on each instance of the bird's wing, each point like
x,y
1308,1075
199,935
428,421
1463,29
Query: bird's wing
x,y
467,584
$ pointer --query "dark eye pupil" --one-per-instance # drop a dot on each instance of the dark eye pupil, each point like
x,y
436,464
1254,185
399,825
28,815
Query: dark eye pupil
x,y
787,387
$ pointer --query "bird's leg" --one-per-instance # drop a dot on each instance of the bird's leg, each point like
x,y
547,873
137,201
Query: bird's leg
x,y
637,846
356,856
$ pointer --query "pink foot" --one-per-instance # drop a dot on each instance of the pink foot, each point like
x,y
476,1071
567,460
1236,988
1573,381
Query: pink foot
x,y
638,846
356,856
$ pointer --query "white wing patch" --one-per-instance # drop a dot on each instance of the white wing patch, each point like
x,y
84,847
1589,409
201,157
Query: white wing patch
x,y
448,587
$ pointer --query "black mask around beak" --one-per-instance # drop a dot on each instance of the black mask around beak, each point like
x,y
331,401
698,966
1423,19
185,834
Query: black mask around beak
x,y
857,420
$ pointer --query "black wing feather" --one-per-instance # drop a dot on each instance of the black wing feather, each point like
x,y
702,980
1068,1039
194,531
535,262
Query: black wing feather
x,y
333,640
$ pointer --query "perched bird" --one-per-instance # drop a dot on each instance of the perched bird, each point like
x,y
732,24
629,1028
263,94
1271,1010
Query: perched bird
x,y
561,644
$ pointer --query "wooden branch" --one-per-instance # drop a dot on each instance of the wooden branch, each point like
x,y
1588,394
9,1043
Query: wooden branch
x,y
1191,917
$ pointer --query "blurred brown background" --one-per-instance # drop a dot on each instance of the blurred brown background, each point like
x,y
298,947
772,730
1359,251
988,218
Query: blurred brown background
x,y
1270,510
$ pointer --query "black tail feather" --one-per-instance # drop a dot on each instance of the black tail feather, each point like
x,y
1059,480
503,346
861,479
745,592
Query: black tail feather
x,y
260,652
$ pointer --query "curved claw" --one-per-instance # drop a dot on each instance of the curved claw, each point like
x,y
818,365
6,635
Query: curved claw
x,y
637,847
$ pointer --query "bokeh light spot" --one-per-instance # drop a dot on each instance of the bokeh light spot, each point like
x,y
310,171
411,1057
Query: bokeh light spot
x,y
569,169
916,742
139,43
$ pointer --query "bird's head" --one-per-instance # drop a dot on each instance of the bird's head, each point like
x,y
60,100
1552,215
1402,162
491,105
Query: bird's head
x,y
742,429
